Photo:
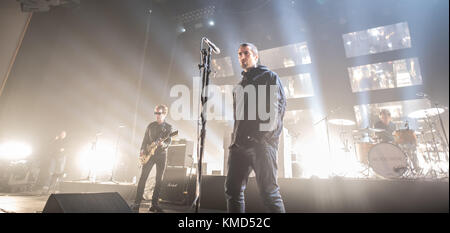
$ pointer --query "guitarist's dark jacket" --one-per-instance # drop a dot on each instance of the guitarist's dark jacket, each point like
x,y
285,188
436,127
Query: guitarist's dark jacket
x,y
153,133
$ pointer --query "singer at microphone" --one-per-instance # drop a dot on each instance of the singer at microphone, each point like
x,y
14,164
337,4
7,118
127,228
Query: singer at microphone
x,y
211,45
254,147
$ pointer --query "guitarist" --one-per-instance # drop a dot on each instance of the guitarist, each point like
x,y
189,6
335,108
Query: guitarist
x,y
155,131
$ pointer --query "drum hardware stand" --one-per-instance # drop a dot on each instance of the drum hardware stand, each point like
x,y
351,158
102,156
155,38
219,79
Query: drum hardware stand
x,y
411,155
442,127
346,148
429,160
426,149
433,138
356,156
432,161
344,140
367,167
436,161
412,168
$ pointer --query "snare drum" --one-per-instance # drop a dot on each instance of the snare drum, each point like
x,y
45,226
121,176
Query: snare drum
x,y
405,136
388,160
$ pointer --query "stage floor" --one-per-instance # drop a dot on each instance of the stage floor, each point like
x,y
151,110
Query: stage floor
x,y
299,196
32,202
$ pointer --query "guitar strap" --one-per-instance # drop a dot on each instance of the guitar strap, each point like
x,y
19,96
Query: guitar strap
x,y
152,137
161,135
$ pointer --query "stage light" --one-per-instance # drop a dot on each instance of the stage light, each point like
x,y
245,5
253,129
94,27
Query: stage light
x,y
211,23
314,158
14,150
181,29
97,158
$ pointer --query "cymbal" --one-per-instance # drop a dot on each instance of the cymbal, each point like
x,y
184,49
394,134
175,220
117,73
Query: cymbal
x,y
424,113
344,122
368,130
426,131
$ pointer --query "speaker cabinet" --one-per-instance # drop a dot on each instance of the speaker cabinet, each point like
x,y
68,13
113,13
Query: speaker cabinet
x,y
180,154
176,187
86,203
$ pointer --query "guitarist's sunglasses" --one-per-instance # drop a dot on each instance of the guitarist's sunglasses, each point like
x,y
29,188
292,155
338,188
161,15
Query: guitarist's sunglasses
x,y
158,113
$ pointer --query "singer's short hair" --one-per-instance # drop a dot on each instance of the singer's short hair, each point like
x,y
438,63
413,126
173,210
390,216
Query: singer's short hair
x,y
162,107
251,46
385,112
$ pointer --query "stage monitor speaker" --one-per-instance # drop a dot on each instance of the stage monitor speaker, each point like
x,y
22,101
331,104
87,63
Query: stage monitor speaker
x,y
86,203
180,154
175,185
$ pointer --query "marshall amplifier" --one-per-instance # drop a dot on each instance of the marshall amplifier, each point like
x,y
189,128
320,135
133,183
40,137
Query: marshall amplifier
x,y
180,154
176,187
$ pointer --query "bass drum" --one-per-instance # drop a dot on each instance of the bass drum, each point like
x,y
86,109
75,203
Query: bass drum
x,y
388,160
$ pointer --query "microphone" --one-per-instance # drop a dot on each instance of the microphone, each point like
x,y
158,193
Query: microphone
x,y
212,45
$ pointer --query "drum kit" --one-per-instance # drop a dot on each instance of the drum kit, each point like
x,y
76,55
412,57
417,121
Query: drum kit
x,y
412,154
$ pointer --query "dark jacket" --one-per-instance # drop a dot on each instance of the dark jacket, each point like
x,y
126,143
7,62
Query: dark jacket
x,y
247,130
154,132
385,136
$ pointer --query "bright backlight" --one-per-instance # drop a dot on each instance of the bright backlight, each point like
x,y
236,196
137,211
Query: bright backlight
x,y
14,150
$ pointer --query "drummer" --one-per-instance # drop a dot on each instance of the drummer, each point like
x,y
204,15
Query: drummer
x,y
386,124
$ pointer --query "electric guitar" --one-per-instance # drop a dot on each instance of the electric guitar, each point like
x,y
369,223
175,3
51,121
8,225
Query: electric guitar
x,y
151,148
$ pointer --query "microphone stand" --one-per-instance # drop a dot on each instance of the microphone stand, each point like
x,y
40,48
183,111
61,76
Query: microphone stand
x,y
326,124
325,118
205,69
93,150
328,134
111,178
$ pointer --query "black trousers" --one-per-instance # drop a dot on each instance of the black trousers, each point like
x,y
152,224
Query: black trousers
x,y
56,171
160,161
263,160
